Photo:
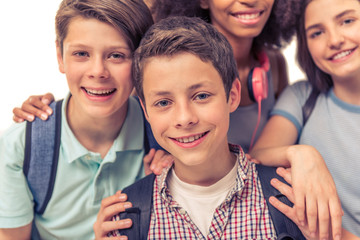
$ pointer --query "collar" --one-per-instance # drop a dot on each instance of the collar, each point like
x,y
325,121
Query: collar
x,y
131,137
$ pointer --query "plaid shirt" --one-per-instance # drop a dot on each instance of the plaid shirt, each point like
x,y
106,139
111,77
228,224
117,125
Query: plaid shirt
x,y
243,215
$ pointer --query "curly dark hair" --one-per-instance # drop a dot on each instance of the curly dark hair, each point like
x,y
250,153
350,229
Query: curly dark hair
x,y
277,32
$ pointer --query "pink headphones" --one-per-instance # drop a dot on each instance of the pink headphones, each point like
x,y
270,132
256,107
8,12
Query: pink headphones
x,y
257,79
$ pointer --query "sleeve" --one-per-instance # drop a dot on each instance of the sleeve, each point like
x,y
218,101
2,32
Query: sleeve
x,y
16,202
291,101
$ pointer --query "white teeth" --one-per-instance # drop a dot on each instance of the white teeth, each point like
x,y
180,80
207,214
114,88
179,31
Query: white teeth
x,y
342,54
190,139
99,92
248,16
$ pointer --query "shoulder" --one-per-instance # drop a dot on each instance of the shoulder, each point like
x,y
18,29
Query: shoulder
x,y
12,141
140,187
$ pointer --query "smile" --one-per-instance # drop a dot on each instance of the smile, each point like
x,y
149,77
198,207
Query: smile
x,y
191,138
104,92
342,54
247,16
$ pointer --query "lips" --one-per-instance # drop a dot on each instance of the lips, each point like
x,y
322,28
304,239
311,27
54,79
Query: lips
x,y
99,93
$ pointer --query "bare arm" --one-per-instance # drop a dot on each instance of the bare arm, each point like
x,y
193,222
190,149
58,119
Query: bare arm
x,y
20,233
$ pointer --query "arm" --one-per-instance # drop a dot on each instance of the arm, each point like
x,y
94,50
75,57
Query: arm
x,y
315,192
34,106
110,207
20,233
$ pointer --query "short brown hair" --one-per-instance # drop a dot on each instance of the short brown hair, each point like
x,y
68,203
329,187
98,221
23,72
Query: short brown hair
x,y
176,35
131,17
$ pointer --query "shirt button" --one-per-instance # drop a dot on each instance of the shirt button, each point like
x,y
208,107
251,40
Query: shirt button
x,y
182,211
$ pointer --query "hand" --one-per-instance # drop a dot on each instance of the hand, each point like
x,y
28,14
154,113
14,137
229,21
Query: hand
x,y
110,207
156,160
291,212
34,106
316,201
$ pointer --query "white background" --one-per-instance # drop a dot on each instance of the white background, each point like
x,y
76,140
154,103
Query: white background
x,y
28,63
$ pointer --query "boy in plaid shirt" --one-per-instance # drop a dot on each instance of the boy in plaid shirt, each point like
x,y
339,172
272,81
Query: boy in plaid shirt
x,y
188,84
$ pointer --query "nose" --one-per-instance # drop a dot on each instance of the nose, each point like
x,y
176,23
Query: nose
x,y
98,69
185,115
335,39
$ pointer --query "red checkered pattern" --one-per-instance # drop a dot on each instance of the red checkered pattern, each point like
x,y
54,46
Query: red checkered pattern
x,y
243,215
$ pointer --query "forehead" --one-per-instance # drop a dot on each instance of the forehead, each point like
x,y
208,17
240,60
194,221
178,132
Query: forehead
x,y
320,11
91,30
181,71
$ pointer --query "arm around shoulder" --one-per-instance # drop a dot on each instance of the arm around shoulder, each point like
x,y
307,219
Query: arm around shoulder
x,y
20,233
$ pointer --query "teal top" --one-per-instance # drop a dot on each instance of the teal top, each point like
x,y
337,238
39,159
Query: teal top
x,y
83,178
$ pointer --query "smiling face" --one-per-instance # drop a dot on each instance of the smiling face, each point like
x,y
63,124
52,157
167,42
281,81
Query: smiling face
x,y
239,19
188,111
97,62
333,36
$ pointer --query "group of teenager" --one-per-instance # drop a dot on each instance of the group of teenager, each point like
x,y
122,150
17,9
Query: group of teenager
x,y
209,79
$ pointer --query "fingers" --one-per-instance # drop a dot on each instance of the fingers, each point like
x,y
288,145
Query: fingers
x,y
32,107
336,214
47,98
20,116
285,174
110,207
283,188
285,209
160,161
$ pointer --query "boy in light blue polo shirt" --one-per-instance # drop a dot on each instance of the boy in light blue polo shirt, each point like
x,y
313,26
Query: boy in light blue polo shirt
x,y
102,133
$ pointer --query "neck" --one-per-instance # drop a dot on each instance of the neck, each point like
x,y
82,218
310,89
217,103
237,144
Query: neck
x,y
348,90
209,171
95,134
245,60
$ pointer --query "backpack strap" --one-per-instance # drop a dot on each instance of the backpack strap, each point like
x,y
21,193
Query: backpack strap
x,y
309,105
285,228
42,143
140,195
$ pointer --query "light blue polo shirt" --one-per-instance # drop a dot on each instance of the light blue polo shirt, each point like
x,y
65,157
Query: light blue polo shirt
x,y
83,179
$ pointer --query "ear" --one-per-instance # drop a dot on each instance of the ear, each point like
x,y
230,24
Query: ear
x,y
59,58
144,110
235,95
204,4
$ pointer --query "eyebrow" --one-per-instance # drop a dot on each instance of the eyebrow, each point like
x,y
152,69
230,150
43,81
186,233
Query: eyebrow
x,y
340,15
166,93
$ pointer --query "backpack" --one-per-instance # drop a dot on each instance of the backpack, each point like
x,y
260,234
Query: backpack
x,y
140,194
42,144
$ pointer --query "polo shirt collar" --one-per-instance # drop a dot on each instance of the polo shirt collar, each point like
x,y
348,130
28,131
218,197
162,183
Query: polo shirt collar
x,y
131,137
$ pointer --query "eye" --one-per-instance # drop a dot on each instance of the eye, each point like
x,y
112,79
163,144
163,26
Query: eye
x,y
315,34
117,55
202,96
348,21
162,103
81,54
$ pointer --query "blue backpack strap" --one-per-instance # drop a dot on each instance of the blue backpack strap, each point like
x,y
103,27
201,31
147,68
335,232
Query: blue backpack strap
x,y
285,228
309,105
140,195
42,143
